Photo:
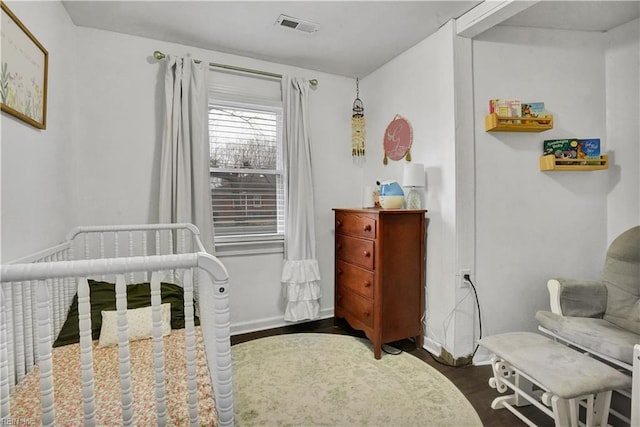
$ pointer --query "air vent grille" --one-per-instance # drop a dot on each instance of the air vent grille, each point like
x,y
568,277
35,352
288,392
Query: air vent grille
x,y
297,24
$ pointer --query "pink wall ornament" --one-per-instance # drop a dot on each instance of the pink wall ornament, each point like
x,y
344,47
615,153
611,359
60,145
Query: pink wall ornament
x,y
397,139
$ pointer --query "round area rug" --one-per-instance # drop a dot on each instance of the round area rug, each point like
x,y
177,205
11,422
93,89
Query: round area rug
x,y
334,380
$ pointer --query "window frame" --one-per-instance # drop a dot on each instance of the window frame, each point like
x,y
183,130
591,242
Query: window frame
x,y
258,243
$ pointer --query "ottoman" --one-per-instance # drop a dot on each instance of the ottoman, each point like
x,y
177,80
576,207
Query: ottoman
x,y
551,376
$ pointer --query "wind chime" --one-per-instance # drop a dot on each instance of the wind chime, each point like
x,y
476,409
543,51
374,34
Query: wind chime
x,y
357,127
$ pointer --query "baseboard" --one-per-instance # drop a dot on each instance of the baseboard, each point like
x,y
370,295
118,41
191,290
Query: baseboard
x,y
435,348
432,346
481,362
270,323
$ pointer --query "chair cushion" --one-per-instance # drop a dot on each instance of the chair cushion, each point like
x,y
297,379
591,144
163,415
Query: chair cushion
x,y
565,372
598,335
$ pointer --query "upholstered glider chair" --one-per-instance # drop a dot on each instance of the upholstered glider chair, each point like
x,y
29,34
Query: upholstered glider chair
x,y
601,317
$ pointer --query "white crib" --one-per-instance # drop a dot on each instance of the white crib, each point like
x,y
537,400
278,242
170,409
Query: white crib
x,y
36,293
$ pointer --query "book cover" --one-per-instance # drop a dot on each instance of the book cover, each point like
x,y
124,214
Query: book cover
x,y
588,148
492,105
502,108
561,148
533,109
515,107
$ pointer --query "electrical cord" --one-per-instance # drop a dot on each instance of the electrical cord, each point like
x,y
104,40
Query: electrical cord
x,y
467,277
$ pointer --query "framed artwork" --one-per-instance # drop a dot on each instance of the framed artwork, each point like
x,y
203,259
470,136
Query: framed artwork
x,y
23,76
397,139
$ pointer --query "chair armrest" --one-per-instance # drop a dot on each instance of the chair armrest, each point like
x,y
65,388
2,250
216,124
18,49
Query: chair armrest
x,y
577,297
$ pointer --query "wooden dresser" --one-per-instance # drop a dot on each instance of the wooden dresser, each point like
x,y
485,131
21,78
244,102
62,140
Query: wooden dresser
x,y
379,273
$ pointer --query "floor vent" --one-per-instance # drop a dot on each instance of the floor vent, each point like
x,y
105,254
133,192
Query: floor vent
x,y
297,24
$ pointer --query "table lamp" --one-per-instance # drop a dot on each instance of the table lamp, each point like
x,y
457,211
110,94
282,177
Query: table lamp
x,y
413,177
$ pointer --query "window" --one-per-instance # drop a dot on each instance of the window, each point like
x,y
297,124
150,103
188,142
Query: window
x,y
246,172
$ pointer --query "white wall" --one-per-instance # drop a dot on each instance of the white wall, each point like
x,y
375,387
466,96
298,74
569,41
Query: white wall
x,y
118,139
622,74
97,160
532,225
419,85
37,185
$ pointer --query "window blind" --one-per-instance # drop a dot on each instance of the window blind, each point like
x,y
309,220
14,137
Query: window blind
x,y
246,173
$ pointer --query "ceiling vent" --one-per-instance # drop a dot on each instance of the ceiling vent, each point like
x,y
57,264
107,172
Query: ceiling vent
x,y
297,24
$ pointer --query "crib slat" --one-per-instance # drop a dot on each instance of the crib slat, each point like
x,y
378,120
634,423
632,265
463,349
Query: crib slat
x,y
10,326
18,316
182,248
131,252
116,246
32,324
45,358
86,352
56,298
190,344
126,394
85,239
4,361
145,252
101,239
49,284
158,350
29,323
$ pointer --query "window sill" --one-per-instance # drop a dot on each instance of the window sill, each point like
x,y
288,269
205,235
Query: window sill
x,y
230,248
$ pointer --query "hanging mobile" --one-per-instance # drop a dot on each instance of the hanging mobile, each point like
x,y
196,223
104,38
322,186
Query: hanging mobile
x,y
357,127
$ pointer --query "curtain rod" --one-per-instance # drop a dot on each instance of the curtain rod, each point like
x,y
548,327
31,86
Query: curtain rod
x,y
159,56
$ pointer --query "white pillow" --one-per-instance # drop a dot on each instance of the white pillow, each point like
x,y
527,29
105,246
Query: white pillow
x,y
140,324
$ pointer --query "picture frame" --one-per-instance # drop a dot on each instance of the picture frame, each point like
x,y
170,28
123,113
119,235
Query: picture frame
x,y
23,72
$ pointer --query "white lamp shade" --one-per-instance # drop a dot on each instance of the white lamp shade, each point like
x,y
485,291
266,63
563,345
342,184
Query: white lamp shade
x,y
413,175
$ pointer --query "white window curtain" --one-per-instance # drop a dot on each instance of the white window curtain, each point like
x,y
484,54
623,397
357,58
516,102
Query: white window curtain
x,y
300,272
185,194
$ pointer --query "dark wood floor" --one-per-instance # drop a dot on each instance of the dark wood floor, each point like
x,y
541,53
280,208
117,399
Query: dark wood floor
x,y
471,380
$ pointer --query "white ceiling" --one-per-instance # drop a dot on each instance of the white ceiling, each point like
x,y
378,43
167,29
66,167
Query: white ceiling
x,y
577,15
354,39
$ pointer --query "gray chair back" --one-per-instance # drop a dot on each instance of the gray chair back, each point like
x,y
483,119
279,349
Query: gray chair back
x,y
622,278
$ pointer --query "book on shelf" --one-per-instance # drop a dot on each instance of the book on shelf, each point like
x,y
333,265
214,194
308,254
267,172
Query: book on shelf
x,y
573,148
561,148
506,108
533,109
589,148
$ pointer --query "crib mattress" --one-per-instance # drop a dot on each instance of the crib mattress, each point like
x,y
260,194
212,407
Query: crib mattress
x,y
25,400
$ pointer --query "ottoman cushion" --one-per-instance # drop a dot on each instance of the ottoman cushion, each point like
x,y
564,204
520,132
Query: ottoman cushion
x,y
563,371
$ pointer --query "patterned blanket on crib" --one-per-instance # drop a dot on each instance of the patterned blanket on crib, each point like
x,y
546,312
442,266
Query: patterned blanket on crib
x,y
25,400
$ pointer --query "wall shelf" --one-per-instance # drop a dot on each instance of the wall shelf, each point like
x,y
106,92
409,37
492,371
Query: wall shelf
x,y
551,163
495,123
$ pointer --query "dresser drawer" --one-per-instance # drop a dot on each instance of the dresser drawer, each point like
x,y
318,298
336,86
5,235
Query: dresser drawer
x,y
359,307
354,278
355,251
356,225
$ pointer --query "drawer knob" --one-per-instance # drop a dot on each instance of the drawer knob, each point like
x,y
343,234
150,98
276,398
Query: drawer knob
x,y
367,227
367,254
367,284
340,271
339,246
366,313
339,224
